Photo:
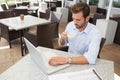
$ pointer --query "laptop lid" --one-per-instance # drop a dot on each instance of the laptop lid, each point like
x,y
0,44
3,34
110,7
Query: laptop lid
x,y
41,58
35,55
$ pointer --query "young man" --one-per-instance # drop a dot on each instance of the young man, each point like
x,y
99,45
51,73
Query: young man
x,y
83,38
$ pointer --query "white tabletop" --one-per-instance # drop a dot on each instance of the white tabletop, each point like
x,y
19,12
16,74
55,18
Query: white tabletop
x,y
17,24
26,69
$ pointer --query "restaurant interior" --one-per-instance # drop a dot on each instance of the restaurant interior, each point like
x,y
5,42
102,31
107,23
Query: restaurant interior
x,y
54,15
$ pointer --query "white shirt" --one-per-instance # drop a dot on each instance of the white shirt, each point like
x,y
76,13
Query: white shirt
x,y
85,43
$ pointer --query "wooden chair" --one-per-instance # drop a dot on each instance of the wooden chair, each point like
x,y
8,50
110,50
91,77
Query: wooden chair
x,y
6,32
43,36
65,48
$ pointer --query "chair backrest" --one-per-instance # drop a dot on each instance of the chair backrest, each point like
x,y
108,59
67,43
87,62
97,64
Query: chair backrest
x,y
25,3
98,16
6,14
17,12
4,6
93,9
12,6
45,15
45,34
55,17
101,45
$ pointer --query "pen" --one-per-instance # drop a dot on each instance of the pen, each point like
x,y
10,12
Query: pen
x,y
97,74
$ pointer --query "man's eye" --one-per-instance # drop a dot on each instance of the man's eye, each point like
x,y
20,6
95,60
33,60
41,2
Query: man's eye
x,y
77,19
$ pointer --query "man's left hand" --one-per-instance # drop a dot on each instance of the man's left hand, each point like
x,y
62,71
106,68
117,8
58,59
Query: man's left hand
x,y
58,61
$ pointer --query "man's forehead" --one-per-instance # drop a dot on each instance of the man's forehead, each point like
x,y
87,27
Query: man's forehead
x,y
77,15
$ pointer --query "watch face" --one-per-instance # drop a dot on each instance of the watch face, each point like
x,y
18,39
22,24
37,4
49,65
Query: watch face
x,y
70,60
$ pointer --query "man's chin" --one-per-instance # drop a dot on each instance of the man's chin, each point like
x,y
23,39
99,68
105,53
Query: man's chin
x,y
78,27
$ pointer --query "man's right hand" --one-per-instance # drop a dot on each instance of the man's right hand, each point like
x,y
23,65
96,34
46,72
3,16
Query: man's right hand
x,y
64,35
63,38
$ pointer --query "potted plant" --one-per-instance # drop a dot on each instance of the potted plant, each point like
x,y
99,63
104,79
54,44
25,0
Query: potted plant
x,y
22,16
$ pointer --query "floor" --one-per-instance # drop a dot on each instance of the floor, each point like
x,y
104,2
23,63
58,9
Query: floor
x,y
8,56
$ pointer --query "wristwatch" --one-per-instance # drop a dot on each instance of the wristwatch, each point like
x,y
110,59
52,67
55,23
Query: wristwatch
x,y
69,60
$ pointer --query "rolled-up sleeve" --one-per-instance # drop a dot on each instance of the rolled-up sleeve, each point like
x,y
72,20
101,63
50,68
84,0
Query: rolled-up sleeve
x,y
93,49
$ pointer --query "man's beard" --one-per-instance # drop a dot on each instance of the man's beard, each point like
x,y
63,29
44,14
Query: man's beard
x,y
81,26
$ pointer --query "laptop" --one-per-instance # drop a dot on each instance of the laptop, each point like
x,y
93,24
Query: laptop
x,y
41,58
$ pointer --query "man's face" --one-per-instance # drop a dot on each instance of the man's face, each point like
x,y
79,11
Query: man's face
x,y
79,20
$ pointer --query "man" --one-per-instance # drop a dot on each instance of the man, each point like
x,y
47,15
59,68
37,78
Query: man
x,y
83,38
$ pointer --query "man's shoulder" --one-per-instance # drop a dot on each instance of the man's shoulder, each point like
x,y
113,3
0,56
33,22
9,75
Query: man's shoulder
x,y
71,23
90,24
94,29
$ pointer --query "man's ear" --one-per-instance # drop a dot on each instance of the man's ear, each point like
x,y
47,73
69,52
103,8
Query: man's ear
x,y
87,18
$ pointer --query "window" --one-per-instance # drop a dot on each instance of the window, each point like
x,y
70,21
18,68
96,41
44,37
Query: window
x,y
2,1
116,3
93,2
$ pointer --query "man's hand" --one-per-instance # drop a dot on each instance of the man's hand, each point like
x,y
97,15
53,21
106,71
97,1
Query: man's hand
x,y
63,37
58,61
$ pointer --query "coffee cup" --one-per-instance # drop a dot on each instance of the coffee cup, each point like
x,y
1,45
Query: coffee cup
x,y
71,34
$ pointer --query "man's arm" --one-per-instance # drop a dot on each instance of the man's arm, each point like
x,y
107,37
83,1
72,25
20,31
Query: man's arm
x,y
79,60
64,60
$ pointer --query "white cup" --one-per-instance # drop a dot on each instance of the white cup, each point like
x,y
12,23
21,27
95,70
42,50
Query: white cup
x,y
71,34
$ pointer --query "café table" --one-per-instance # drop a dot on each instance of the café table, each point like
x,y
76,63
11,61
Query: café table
x,y
17,24
26,69
32,8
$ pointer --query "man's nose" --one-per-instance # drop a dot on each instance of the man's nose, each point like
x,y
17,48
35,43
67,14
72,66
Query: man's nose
x,y
75,21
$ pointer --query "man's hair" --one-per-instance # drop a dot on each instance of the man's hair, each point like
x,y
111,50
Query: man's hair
x,y
81,7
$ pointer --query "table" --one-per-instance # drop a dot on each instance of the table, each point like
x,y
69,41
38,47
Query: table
x,y
26,69
32,8
17,24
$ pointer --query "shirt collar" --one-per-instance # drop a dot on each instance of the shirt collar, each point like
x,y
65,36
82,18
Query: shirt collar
x,y
87,29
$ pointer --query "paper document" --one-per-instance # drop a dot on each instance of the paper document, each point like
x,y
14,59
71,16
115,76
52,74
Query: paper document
x,y
89,74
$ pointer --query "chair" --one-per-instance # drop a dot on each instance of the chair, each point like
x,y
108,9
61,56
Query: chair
x,y
55,17
12,6
17,12
4,6
43,36
45,15
25,3
65,48
7,33
52,17
101,45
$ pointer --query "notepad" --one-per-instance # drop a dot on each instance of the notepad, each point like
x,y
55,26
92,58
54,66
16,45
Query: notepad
x,y
89,74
